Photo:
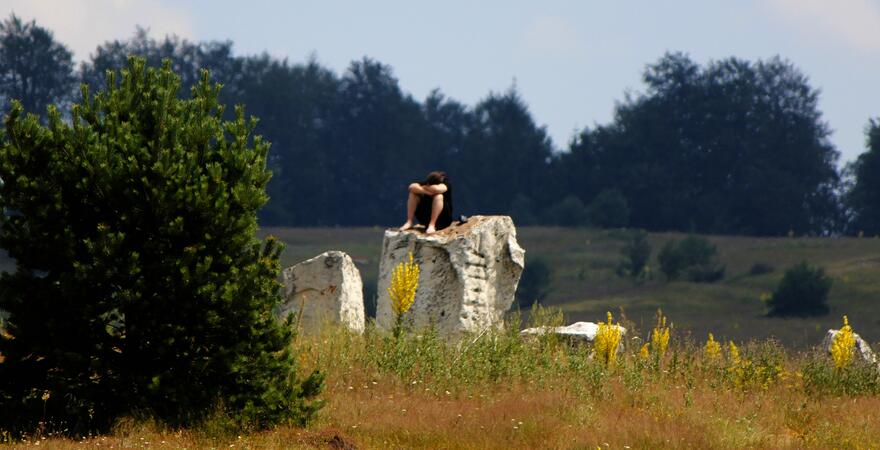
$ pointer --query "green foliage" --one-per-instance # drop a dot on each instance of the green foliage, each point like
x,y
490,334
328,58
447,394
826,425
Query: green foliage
x,y
803,291
609,210
568,212
733,146
693,257
760,268
534,284
140,286
822,377
34,68
636,254
863,198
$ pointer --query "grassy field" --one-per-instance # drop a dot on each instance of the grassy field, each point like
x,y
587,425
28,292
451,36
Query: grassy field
x,y
585,286
502,391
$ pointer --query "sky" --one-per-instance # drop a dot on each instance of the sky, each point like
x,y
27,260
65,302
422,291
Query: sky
x,y
571,61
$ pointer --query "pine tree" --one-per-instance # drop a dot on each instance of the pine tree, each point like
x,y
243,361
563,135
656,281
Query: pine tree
x,y
140,285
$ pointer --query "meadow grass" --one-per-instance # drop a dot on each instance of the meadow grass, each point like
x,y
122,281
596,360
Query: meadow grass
x,y
498,389
584,283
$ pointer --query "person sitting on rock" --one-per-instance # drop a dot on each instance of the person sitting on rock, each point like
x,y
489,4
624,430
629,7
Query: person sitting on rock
x,y
430,202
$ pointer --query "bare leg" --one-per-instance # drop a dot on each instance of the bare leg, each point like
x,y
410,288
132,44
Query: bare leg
x,y
411,204
436,207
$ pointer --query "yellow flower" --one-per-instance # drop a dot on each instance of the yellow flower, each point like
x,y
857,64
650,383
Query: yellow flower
x,y
607,341
404,282
843,346
643,353
660,335
733,353
713,348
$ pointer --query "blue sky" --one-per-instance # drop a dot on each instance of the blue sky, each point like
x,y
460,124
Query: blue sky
x,y
571,60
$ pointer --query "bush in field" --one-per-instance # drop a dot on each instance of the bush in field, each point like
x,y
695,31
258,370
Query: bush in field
x,y
636,253
609,209
803,291
694,257
534,285
140,286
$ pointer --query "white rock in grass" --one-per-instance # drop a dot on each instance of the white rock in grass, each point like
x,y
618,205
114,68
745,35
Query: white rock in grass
x,y
577,332
862,347
468,275
325,289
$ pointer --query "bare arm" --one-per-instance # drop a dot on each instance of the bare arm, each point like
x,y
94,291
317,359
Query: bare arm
x,y
427,189
434,189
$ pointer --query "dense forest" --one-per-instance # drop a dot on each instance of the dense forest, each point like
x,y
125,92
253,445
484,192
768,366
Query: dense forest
x,y
730,147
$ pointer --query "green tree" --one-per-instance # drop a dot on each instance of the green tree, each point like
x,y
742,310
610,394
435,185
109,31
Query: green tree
x,y
34,68
803,291
534,286
636,254
187,59
863,198
694,256
730,147
140,285
507,154
608,210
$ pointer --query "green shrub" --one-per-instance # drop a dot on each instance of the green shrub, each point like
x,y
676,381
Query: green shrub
x,y
609,209
569,212
534,285
694,257
759,268
636,254
803,291
822,377
140,286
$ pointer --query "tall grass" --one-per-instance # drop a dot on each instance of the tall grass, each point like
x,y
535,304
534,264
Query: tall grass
x,y
498,389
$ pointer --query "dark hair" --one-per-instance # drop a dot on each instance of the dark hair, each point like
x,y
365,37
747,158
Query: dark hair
x,y
437,177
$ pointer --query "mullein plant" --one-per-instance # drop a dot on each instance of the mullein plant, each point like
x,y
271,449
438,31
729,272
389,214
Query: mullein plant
x,y
404,283
660,335
712,348
843,346
607,341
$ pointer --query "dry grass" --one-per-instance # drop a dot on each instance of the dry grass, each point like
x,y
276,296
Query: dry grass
x,y
501,391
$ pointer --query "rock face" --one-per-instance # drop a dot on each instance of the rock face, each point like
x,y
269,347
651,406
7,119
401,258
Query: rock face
x,y
862,347
576,332
328,288
469,273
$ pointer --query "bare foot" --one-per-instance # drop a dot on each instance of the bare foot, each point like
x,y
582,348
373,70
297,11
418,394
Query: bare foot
x,y
430,230
405,226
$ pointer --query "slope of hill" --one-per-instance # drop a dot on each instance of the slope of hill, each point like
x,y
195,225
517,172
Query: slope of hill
x,y
584,284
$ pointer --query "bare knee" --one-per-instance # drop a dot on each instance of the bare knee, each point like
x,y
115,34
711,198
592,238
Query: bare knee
x,y
437,200
413,186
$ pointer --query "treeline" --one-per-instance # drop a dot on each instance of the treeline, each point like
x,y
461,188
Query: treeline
x,y
732,147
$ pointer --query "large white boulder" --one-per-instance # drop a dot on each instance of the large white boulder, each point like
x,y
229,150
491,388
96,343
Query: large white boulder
x,y
468,278
862,347
325,289
576,332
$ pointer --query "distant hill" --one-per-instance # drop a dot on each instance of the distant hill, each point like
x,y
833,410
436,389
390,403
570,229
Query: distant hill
x,y
584,283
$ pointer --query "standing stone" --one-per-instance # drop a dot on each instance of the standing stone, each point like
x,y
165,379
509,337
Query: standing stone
x,y
863,350
328,289
468,276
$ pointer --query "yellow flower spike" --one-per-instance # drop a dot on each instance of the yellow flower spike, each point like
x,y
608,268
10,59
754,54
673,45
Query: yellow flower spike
x,y
402,291
713,348
607,340
733,352
643,353
660,335
843,346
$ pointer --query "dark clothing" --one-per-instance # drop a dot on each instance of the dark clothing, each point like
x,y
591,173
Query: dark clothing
x,y
423,210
